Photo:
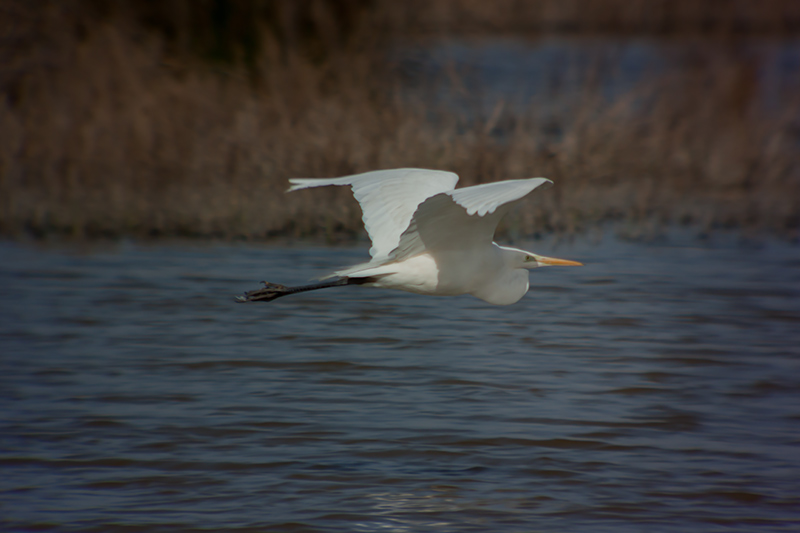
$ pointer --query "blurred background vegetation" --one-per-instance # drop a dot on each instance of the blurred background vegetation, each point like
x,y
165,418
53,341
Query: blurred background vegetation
x,y
186,117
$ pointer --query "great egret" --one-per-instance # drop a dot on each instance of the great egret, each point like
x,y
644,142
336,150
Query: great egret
x,y
430,238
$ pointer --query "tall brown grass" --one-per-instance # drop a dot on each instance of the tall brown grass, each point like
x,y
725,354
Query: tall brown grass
x,y
110,127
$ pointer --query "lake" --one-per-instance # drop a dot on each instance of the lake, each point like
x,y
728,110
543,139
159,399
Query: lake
x,y
559,72
656,388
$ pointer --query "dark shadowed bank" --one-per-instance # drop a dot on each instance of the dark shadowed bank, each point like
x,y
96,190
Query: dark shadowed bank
x,y
187,118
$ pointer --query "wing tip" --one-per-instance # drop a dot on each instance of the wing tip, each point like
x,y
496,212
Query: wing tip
x,y
352,180
298,183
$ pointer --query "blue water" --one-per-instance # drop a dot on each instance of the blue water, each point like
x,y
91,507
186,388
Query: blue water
x,y
559,74
657,388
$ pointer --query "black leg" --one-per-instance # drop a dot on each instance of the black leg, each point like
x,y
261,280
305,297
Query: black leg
x,y
270,291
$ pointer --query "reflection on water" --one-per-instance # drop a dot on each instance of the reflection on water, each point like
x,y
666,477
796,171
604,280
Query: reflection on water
x,y
657,387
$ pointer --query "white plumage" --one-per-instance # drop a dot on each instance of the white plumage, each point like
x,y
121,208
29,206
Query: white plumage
x,y
388,199
430,238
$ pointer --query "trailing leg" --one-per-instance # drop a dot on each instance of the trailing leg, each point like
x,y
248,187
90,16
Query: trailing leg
x,y
270,291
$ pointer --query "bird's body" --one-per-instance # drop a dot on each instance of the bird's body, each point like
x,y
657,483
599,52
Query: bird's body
x,y
430,238
452,273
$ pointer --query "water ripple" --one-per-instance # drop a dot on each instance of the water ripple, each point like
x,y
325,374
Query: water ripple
x,y
657,388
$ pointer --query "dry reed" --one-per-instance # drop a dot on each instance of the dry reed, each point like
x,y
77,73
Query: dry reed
x,y
107,129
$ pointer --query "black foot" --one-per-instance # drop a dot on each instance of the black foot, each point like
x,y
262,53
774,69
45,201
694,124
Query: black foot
x,y
269,292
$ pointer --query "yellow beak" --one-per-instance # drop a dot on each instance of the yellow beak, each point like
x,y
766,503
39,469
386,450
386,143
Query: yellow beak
x,y
552,261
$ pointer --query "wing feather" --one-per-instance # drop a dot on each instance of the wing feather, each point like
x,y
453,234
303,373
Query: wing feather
x,y
484,199
462,218
388,199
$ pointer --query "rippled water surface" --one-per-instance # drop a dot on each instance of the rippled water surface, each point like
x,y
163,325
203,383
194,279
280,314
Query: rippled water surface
x,y
655,389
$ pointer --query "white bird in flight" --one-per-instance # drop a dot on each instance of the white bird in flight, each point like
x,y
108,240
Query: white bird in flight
x,y
430,238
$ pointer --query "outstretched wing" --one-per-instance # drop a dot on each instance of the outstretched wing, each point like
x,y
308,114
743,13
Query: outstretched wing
x,y
485,199
388,199
462,218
